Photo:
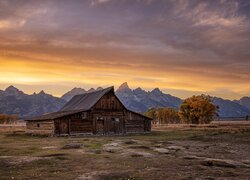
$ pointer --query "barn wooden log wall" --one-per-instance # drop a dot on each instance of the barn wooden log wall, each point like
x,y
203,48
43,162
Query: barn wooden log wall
x,y
77,123
134,122
40,127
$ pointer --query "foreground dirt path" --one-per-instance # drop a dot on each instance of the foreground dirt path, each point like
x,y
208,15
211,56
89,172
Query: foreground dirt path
x,y
168,154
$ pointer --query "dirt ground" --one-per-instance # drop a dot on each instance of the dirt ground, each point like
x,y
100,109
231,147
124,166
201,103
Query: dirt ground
x,y
168,153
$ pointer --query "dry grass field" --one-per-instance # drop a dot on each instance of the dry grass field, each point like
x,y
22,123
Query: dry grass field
x,y
12,128
214,152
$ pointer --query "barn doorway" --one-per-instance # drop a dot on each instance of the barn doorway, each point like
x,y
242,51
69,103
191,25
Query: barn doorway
x,y
100,126
115,125
64,126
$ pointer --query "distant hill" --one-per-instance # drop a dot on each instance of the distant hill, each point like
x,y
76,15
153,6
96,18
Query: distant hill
x,y
14,101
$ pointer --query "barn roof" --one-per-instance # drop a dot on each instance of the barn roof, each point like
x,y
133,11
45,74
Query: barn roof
x,y
85,101
54,115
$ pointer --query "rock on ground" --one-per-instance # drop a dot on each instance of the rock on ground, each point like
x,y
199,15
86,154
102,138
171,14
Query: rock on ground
x,y
224,163
176,148
112,147
72,146
161,150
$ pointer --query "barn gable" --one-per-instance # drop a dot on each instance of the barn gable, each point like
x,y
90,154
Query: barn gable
x,y
109,102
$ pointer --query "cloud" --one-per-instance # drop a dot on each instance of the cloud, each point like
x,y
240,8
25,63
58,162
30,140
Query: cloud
x,y
8,24
96,2
190,45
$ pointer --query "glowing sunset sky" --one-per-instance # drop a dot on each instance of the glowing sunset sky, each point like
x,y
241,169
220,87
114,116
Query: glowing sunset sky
x,y
183,47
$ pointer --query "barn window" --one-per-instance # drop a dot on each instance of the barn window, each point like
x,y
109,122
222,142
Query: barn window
x,y
100,118
38,125
117,119
84,115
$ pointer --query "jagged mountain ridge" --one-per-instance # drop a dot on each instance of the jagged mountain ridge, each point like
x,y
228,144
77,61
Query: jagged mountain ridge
x,y
140,100
229,108
76,91
14,101
244,101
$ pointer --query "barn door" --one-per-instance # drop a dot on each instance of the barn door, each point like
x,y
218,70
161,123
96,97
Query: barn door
x,y
116,125
64,126
100,126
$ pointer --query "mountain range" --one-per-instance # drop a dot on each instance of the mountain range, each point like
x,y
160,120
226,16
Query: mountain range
x,y
14,101
140,100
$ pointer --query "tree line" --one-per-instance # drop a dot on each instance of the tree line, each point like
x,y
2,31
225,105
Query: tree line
x,y
194,110
8,119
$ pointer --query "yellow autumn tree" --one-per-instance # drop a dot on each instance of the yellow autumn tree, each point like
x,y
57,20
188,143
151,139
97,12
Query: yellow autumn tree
x,y
198,110
163,115
168,116
8,119
151,113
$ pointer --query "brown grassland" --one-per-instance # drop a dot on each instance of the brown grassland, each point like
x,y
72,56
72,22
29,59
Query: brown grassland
x,y
217,151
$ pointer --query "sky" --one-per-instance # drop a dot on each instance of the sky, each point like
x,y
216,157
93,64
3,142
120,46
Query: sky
x,y
183,47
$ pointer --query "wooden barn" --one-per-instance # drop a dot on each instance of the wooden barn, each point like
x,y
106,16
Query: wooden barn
x,y
98,112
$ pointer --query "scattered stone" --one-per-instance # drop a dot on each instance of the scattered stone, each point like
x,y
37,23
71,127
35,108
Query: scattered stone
x,y
92,175
97,151
176,148
98,175
139,147
247,161
115,144
191,157
54,155
144,154
49,147
134,153
223,163
72,146
81,151
158,145
162,150
4,157
17,160
112,147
